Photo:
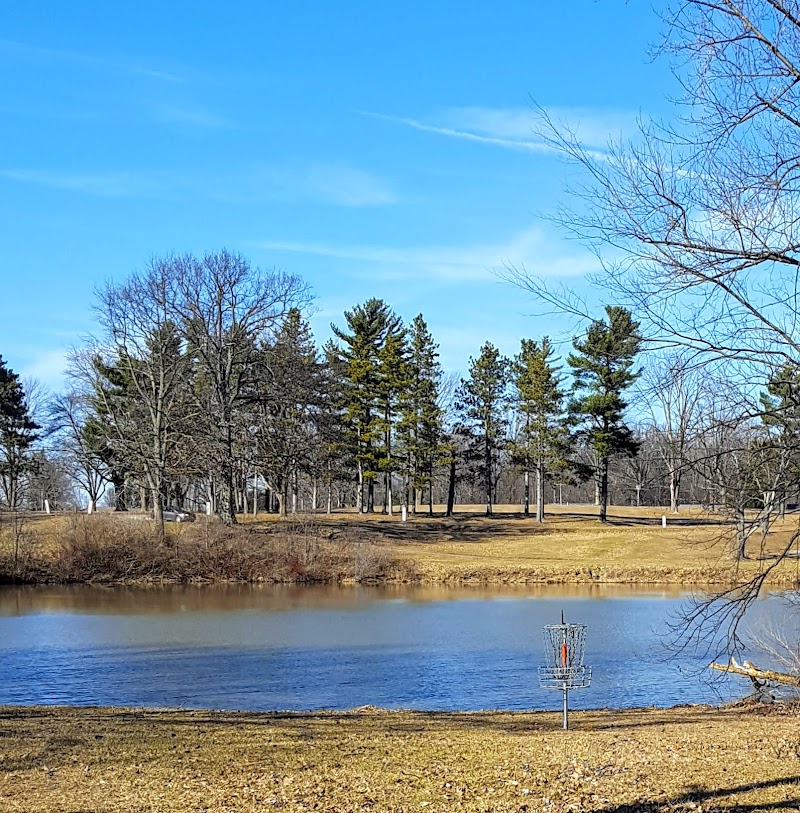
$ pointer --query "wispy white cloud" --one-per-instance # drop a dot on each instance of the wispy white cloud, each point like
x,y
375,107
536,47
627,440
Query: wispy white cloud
x,y
524,145
593,128
333,184
98,184
516,128
541,255
46,366
31,51
344,185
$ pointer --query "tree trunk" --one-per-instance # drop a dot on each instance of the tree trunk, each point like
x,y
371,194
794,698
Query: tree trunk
x,y
526,499
674,489
540,491
451,488
120,503
603,489
741,536
226,497
360,489
755,674
488,464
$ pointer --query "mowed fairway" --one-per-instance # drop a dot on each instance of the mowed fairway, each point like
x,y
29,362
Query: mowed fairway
x,y
572,546
688,759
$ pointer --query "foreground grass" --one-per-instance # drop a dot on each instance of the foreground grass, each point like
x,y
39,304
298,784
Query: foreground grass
x,y
694,758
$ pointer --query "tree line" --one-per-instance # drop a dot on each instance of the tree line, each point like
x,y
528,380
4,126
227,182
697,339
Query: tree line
x,y
206,389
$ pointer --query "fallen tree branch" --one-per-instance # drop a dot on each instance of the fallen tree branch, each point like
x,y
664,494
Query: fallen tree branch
x,y
755,674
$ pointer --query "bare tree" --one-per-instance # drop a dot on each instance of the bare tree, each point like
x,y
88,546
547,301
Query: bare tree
x,y
70,415
225,308
671,389
697,223
146,357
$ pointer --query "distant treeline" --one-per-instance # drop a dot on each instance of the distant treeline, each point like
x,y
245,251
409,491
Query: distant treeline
x,y
206,388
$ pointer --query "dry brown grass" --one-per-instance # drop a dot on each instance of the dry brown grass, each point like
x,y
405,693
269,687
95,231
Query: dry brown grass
x,y
687,759
119,548
572,547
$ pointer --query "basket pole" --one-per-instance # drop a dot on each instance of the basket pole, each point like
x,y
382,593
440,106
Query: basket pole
x,y
566,708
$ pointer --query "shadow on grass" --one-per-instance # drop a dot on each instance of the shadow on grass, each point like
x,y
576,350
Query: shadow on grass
x,y
697,796
518,722
475,528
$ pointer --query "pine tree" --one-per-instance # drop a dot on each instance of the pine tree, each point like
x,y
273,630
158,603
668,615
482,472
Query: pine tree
x,y
421,423
543,440
394,378
780,407
482,401
602,368
289,395
369,326
333,455
17,434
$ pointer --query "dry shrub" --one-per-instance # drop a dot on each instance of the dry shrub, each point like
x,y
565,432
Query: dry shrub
x,y
120,548
18,547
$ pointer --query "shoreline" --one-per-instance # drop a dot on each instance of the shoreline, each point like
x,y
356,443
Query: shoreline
x,y
571,548
586,576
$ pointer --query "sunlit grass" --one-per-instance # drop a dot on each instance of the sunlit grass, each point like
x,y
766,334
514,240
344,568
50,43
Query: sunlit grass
x,y
572,546
695,759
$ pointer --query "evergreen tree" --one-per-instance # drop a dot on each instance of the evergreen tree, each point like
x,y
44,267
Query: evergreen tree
x,y
482,401
780,414
543,439
602,368
369,326
109,384
290,399
333,456
394,378
17,434
421,423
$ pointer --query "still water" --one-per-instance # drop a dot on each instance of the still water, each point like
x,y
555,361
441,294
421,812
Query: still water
x,y
264,648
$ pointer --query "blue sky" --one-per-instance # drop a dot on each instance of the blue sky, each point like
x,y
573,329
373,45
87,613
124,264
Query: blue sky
x,y
374,149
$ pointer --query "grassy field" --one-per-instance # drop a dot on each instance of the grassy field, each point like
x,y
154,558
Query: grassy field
x,y
685,759
571,547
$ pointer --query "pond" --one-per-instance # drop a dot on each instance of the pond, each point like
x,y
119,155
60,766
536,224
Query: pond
x,y
269,648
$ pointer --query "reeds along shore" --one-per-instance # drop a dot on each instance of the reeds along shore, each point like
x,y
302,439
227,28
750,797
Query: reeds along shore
x,y
571,547
118,549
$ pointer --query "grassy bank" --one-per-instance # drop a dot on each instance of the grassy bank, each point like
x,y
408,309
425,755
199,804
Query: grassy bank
x,y
694,758
121,548
572,547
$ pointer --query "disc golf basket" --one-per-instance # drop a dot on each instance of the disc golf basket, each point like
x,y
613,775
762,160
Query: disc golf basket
x,y
563,649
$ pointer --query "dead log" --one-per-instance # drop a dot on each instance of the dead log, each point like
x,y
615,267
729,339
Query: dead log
x,y
757,675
